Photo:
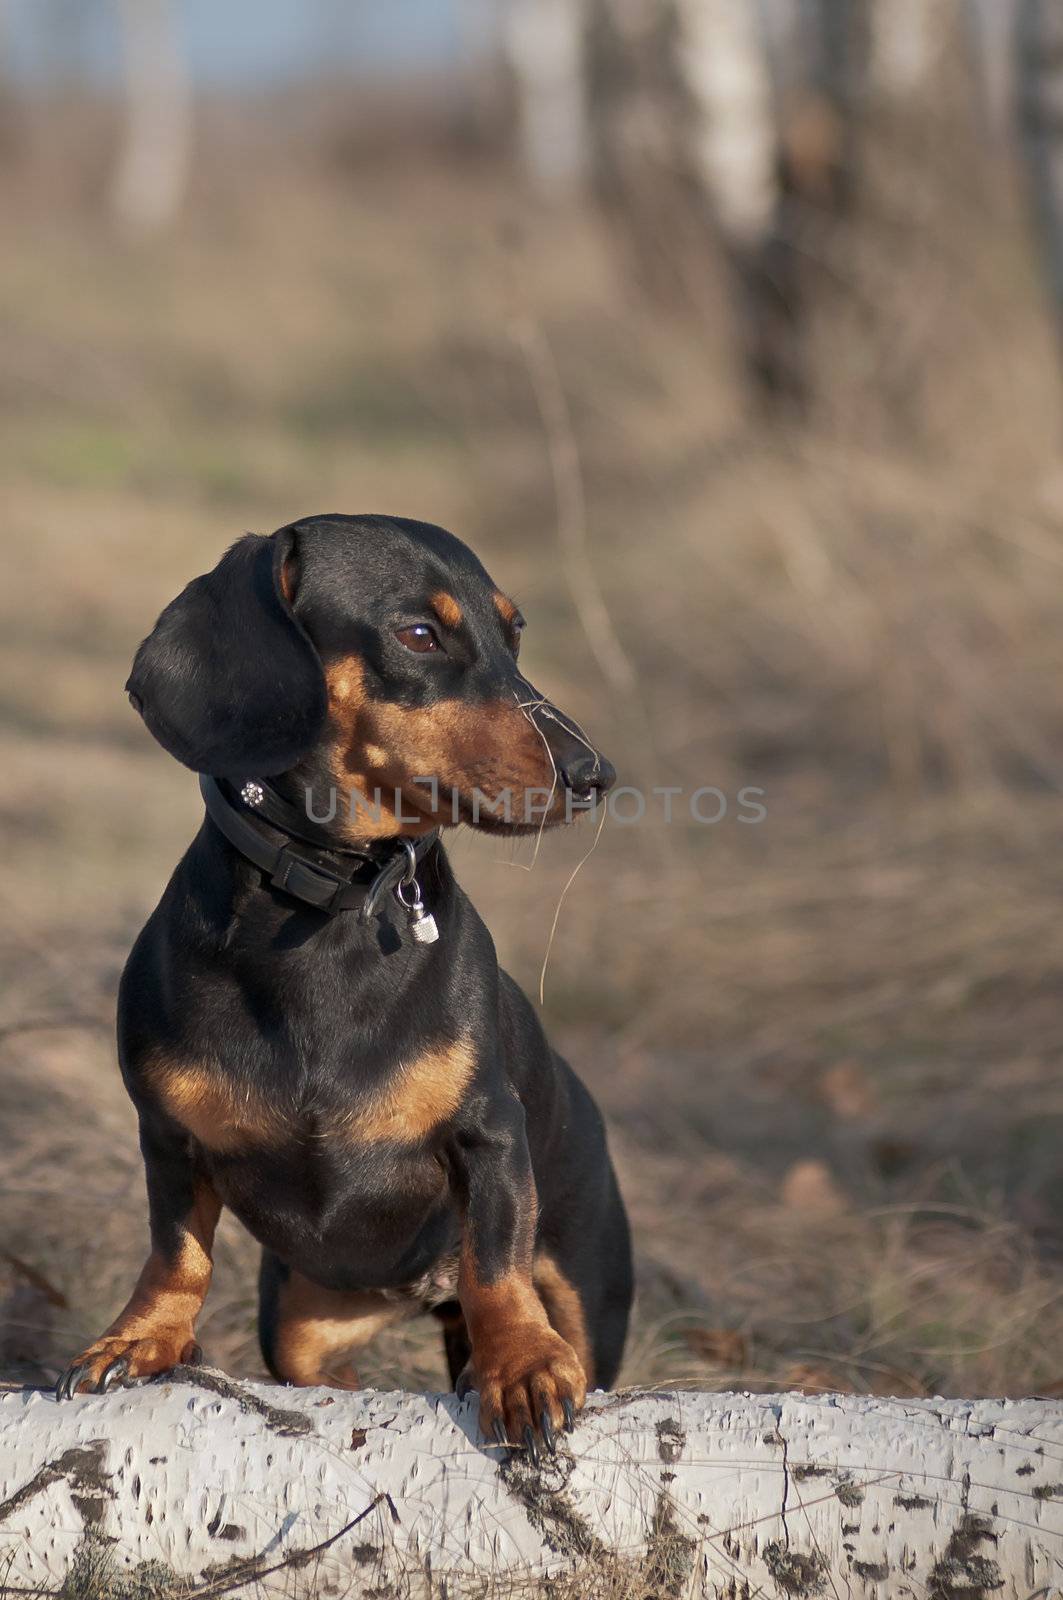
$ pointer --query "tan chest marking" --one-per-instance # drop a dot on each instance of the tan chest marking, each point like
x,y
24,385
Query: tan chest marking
x,y
205,1102
421,1095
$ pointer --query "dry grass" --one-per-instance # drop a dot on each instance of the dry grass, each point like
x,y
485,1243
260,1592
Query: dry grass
x,y
858,613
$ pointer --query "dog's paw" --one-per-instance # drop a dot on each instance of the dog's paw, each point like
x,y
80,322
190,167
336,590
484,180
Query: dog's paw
x,y
115,1359
531,1384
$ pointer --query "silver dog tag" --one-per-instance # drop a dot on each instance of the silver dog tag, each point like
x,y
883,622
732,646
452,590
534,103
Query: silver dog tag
x,y
422,924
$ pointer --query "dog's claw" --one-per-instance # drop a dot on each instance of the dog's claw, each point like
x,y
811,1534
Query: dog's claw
x,y
500,1431
66,1388
530,1445
112,1373
570,1415
546,1428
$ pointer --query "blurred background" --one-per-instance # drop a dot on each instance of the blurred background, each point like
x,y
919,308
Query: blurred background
x,y
725,330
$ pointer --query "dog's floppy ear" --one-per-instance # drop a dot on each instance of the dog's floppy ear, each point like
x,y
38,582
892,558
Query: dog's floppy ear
x,y
228,680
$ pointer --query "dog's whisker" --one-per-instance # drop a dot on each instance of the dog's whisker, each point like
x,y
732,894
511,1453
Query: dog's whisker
x,y
553,786
570,726
561,900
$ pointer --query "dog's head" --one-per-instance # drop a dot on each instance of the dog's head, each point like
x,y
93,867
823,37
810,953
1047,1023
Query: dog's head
x,y
369,656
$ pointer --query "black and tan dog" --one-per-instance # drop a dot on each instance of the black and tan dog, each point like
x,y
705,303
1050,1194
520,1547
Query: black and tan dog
x,y
377,1105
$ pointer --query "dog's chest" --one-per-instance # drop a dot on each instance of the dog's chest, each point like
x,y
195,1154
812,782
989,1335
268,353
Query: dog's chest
x,y
343,1180
230,1114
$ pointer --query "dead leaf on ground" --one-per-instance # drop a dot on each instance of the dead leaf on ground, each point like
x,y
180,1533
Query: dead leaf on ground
x,y
848,1091
809,1186
724,1346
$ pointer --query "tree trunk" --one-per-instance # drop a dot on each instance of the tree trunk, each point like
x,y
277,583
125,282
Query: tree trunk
x,y
908,38
544,47
991,24
1040,74
724,64
198,1486
152,172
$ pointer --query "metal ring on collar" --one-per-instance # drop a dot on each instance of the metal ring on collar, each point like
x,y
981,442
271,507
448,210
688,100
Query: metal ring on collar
x,y
411,863
387,878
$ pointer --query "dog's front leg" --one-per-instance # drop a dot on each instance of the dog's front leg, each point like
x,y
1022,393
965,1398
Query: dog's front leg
x,y
529,1379
156,1330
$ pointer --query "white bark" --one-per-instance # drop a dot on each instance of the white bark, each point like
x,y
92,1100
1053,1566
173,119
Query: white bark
x,y
907,38
725,67
544,46
236,1489
152,173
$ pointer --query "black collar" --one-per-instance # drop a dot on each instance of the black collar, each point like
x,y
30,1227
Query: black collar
x,y
324,876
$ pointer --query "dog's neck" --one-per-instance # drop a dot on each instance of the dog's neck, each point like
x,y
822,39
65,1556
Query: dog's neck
x,y
263,884
348,819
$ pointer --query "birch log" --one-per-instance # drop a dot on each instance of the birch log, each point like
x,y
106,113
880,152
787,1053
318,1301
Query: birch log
x,y
197,1486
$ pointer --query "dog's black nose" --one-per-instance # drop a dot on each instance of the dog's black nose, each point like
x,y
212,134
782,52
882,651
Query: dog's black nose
x,y
587,774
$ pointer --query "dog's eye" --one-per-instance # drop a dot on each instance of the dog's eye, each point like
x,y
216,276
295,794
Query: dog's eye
x,y
419,638
517,628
